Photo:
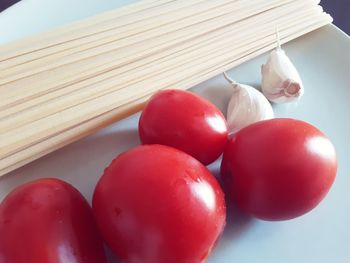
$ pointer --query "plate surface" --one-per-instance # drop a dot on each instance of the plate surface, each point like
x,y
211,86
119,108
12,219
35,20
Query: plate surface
x,y
323,60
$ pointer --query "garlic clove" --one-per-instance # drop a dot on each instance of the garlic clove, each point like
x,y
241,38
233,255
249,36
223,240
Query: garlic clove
x,y
281,81
246,106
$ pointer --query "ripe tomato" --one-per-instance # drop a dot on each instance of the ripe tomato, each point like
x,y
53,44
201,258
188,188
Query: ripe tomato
x,y
185,121
279,169
156,204
48,221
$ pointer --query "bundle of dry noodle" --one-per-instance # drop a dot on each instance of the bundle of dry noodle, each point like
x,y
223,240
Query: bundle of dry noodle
x,y
65,84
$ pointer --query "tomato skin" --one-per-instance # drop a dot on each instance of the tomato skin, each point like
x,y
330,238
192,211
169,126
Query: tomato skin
x,y
279,169
49,221
156,204
185,121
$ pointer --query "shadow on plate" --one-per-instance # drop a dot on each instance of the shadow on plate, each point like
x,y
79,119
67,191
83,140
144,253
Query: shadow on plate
x,y
237,222
220,94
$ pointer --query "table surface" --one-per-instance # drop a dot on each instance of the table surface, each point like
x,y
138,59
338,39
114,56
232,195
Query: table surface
x,y
340,10
323,60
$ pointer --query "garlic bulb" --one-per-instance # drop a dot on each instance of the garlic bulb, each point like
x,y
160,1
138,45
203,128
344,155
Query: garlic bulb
x,y
280,79
246,106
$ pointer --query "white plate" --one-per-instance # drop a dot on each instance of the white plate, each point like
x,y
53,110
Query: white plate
x,y
323,59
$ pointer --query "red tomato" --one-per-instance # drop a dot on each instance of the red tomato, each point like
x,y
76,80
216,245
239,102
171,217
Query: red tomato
x,y
156,204
279,169
185,121
48,221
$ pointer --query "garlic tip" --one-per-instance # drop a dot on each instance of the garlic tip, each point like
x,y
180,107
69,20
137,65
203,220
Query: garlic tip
x,y
246,106
280,79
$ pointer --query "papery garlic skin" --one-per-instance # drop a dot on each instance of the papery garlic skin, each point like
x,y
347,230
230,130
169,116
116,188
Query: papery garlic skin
x,y
280,79
246,106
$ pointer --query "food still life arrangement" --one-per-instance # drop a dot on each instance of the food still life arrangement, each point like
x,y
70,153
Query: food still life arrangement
x,y
198,160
